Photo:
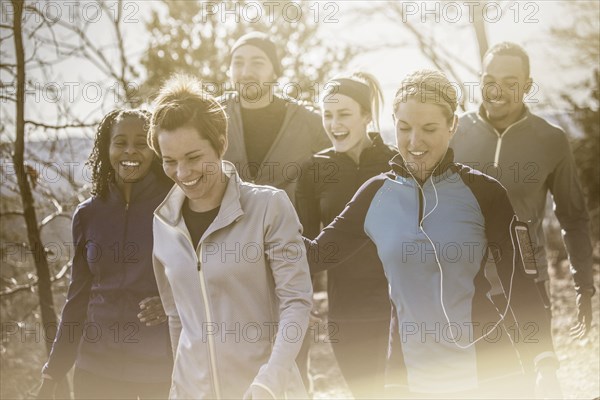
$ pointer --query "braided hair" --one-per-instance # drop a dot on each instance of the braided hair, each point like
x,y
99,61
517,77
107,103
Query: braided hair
x,y
102,171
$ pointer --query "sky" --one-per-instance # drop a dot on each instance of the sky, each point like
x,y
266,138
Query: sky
x,y
393,51
524,22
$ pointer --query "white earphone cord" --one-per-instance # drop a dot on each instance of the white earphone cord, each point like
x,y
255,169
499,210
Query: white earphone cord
x,y
503,315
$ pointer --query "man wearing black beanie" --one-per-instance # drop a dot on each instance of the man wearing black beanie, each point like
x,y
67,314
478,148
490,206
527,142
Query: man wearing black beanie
x,y
269,137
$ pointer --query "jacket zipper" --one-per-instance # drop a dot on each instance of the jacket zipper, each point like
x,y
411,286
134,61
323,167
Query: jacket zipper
x,y
125,229
420,190
121,251
497,154
211,339
499,142
211,343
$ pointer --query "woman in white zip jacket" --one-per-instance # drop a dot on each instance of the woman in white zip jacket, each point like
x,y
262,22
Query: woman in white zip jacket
x,y
229,261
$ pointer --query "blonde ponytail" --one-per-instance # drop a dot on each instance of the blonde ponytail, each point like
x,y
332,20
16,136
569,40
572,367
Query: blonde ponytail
x,y
376,95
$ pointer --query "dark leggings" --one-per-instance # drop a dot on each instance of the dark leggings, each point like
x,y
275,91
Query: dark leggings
x,y
360,348
87,385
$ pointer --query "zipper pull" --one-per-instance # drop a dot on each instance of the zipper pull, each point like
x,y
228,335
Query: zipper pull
x,y
126,206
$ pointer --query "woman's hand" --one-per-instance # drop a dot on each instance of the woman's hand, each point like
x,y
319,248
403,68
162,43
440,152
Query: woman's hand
x,y
152,312
255,392
546,384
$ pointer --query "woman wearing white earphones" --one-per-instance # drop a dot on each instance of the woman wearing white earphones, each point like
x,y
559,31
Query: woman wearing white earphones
x,y
434,223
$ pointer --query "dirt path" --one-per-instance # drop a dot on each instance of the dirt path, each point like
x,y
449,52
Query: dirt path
x,y
579,373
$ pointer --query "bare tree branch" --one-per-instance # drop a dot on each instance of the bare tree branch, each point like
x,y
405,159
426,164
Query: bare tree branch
x,y
34,282
56,127
7,98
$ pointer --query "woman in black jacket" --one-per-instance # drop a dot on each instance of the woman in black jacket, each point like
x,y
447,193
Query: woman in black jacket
x,y
359,306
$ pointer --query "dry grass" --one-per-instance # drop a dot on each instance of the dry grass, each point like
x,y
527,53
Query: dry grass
x,y
579,373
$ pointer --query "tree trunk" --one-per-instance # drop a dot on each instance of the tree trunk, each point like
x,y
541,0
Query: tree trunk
x,y
480,34
33,233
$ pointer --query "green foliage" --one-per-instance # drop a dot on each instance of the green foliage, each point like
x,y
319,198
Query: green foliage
x,y
195,38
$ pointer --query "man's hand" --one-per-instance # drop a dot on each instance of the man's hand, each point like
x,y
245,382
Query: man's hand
x,y
584,314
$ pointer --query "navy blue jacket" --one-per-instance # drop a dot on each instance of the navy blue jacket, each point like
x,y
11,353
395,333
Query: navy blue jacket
x,y
111,273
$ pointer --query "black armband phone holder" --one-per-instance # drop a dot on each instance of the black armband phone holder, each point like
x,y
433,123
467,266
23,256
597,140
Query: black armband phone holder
x,y
524,248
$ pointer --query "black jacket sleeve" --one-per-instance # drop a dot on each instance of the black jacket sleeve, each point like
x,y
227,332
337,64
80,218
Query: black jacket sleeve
x,y
521,291
571,212
307,203
345,236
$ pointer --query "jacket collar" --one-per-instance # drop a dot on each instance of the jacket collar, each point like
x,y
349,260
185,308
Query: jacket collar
x,y
170,209
374,150
399,165
147,187
482,117
233,107
377,152
376,142
375,138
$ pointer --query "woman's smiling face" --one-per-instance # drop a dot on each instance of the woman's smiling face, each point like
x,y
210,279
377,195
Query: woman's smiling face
x,y
128,151
423,134
190,161
344,122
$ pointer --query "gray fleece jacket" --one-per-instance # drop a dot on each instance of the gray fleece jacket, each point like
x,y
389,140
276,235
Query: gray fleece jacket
x,y
238,304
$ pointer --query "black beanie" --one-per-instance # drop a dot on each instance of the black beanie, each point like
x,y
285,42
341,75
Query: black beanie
x,y
262,41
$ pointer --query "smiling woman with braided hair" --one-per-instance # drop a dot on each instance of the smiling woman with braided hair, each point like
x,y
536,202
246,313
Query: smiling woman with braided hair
x,y
112,325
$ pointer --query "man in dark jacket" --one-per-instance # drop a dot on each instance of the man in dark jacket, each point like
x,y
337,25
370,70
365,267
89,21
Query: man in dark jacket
x,y
269,138
529,157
